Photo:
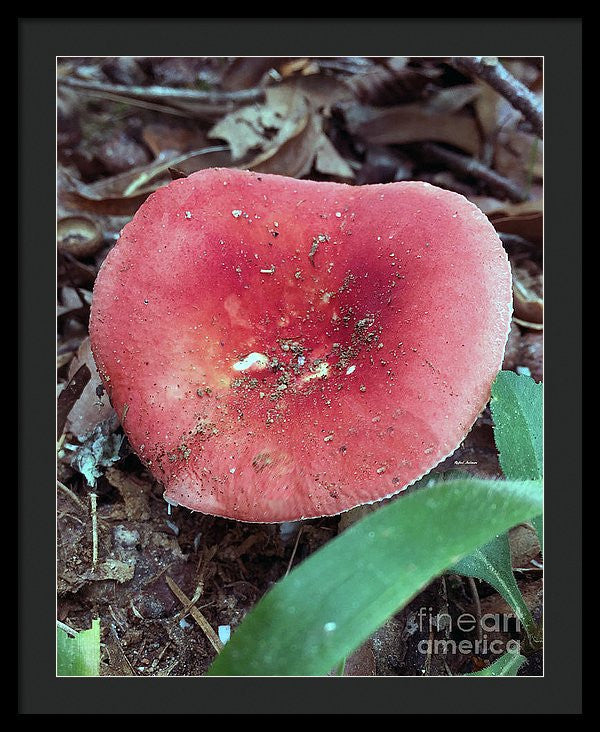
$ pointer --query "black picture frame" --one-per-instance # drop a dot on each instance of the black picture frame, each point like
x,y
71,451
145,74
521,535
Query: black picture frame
x,y
41,40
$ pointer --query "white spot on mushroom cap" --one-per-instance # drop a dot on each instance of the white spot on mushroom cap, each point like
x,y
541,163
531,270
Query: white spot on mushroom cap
x,y
256,360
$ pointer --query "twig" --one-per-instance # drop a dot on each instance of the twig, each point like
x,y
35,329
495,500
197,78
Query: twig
x,y
121,651
66,628
196,614
293,552
195,597
71,495
94,515
167,94
162,653
520,97
470,166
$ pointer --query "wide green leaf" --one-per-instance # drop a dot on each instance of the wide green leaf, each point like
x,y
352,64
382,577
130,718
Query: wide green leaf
x,y
78,656
506,665
517,407
492,563
333,601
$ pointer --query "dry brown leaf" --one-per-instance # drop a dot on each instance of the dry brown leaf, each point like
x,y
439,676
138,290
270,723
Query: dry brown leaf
x,y
452,99
124,193
134,492
295,157
528,297
69,395
528,325
160,137
112,569
90,409
532,354
526,71
413,123
523,219
389,83
247,71
329,162
266,126
322,92
518,155
524,545
494,111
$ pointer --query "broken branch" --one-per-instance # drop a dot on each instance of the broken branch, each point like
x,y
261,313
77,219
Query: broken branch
x,y
490,70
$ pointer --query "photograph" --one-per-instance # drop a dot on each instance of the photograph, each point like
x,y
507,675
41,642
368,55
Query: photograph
x,y
299,366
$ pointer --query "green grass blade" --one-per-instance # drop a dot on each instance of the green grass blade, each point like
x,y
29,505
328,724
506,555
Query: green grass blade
x,y
334,600
506,665
492,563
78,656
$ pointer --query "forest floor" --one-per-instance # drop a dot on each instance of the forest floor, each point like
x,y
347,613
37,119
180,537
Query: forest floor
x,y
128,126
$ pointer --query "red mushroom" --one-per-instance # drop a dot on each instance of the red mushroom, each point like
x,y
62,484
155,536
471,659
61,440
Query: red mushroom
x,y
281,349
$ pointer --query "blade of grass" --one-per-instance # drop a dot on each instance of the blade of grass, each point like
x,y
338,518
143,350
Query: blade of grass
x,y
80,655
334,600
492,563
506,665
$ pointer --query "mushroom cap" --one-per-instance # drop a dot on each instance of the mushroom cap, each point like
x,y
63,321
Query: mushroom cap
x,y
280,349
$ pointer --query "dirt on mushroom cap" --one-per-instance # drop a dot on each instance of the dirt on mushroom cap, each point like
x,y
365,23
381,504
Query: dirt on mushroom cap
x,y
291,348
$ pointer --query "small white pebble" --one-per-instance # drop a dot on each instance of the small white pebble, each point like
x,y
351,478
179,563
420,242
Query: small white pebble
x,y
236,213
329,627
350,370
